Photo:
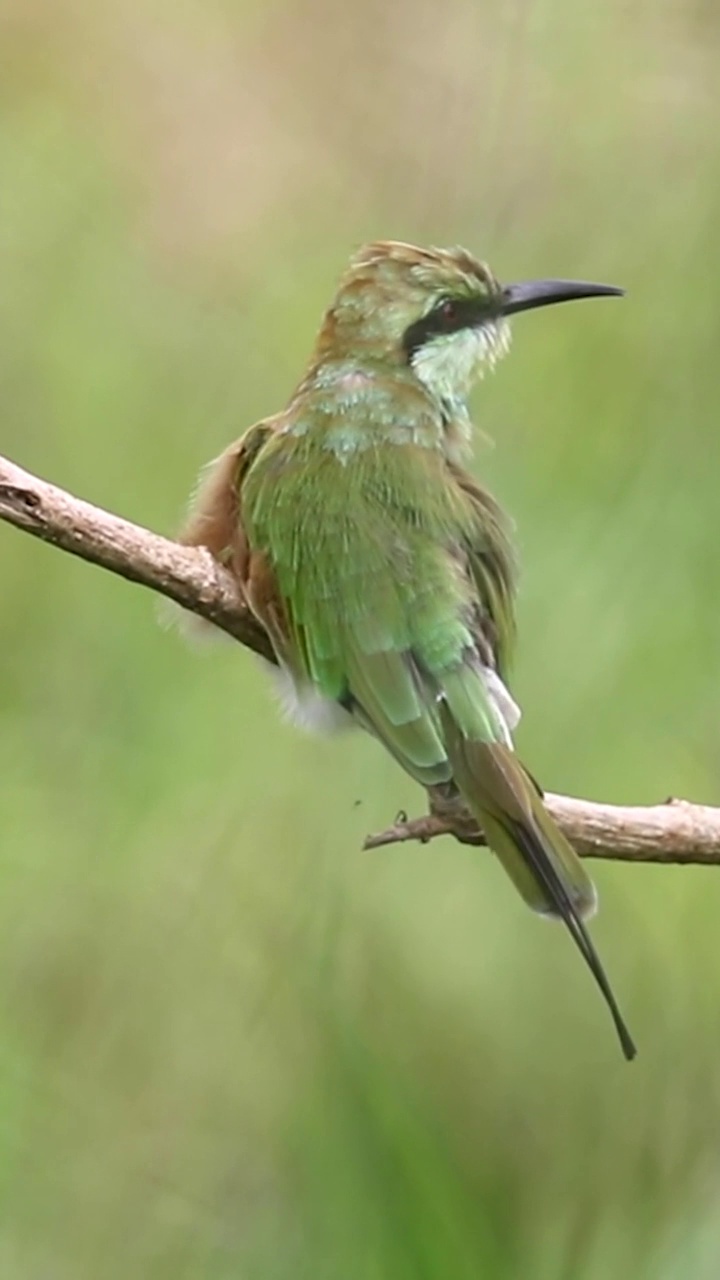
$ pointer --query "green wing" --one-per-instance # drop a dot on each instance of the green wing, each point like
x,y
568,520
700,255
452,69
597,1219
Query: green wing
x,y
492,567
370,558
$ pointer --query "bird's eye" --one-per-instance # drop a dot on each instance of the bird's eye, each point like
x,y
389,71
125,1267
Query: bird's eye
x,y
447,311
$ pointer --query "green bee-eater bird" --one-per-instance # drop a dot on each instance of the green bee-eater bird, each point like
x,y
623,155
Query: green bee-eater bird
x,y
381,572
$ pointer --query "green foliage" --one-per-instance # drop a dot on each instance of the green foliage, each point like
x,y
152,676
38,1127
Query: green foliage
x,y
231,1044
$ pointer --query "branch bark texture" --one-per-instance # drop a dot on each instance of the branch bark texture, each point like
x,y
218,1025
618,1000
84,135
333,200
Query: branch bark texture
x,y
673,832
188,575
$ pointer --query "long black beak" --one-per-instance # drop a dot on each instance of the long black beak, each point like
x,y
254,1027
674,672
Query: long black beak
x,y
541,293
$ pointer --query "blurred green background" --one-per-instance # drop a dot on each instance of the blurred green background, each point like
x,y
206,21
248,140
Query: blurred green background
x,y
231,1044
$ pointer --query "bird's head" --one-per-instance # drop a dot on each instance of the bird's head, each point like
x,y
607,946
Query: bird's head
x,y
441,311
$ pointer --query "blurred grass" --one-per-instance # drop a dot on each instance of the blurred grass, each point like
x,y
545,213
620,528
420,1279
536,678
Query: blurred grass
x,y
230,1044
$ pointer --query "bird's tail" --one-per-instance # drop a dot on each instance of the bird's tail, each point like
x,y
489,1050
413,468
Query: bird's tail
x,y
536,855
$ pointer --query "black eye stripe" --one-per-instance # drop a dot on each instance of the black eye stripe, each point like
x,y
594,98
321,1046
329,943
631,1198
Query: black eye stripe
x,y
449,316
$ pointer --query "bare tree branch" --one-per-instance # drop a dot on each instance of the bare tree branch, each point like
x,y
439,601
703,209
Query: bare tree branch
x,y
674,832
188,575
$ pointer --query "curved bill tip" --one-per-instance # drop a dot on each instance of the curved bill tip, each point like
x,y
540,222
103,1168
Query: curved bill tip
x,y
529,294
